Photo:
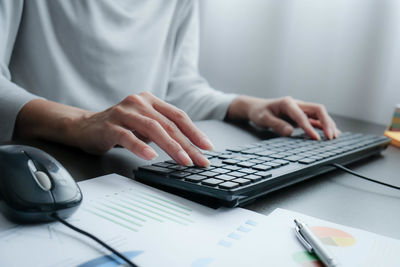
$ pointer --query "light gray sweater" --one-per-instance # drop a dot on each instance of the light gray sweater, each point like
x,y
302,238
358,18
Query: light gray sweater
x,y
93,53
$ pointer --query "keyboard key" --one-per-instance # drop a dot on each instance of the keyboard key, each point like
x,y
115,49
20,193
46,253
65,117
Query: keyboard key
x,y
307,161
216,162
211,182
220,170
263,174
262,167
325,155
231,167
162,164
177,167
228,185
277,156
293,158
237,174
225,177
156,169
230,161
281,162
195,178
247,170
194,170
179,174
316,157
245,164
252,150
265,153
242,181
272,164
253,178
257,161
226,156
265,159
242,158
209,173
211,153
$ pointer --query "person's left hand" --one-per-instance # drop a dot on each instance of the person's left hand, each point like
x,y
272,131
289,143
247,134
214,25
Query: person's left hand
x,y
272,113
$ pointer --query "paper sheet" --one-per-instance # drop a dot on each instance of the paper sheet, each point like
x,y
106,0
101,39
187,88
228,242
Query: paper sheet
x,y
350,246
151,227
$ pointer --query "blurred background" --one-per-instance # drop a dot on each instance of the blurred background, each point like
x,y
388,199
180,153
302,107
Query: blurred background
x,y
342,53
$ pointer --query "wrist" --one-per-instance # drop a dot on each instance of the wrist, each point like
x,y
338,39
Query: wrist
x,y
70,126
239,109
43,119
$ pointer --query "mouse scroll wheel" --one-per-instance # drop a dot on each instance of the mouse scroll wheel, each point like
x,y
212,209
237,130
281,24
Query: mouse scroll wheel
x,y
43,180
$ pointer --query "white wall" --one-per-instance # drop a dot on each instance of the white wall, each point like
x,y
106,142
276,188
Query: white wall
x,y
342,53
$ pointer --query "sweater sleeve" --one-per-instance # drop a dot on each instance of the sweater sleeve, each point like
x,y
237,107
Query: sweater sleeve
x,y
187,89
12,97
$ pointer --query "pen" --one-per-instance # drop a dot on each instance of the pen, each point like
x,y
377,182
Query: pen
x,y
313,244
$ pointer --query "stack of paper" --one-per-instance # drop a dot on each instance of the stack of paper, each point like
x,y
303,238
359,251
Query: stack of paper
x,y
154,228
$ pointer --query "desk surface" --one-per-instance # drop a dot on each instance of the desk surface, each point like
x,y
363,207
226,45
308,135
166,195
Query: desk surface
x,y
336,196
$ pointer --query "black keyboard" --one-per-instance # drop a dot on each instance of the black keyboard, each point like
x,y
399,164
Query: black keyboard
x,y
241,174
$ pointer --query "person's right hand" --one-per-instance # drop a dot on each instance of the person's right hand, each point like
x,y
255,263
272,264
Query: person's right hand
x,y
140,117
136,118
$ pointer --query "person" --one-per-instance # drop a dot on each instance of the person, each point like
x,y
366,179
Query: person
x,y
99,73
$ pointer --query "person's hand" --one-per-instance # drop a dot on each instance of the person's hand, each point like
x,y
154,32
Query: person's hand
x,y
139,117
272,113
135,119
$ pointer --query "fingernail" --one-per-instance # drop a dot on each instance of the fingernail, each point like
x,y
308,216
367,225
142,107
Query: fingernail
x,y
317,135
287,130
183,157
205,162
149,153
337,133
207,143
330,134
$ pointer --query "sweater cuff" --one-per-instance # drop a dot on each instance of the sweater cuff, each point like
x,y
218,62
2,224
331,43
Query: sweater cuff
x,y
13,98
221,109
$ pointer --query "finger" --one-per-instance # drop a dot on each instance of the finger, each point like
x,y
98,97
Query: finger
x,y
267,119
337,133
291,108
315,123
198,158
184,123
127,139
319,112
141,137
151,129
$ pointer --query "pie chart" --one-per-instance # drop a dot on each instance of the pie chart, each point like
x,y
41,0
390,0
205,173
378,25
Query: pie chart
x,y
306,259
333,237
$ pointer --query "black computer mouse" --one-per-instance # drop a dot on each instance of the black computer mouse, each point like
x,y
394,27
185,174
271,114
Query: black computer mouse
x,y
34,186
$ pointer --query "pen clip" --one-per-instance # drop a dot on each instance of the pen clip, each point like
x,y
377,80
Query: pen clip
x,y
303,240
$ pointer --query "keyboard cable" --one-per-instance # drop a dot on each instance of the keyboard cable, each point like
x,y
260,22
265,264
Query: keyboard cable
x,y
343,168
58,218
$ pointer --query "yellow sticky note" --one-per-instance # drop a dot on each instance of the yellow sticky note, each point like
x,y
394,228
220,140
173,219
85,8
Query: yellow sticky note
x,y
395,137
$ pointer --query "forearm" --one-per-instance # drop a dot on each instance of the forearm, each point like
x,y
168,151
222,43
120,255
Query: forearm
x,y
43,119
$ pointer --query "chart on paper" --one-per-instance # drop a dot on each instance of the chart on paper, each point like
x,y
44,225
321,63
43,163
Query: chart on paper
x,y
147,225
132,209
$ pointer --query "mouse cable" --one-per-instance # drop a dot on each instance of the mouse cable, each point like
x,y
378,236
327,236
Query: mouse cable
x,y
343,168
129,262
